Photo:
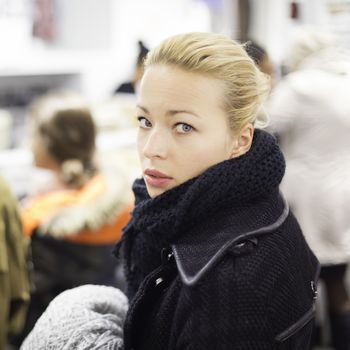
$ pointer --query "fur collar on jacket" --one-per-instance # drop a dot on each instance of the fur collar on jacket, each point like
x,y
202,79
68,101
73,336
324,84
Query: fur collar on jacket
x,y
64,213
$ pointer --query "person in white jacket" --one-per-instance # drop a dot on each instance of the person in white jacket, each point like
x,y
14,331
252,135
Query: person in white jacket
x,y
310,112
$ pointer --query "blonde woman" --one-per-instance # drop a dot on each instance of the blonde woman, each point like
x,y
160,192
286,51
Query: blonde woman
x,y
214,259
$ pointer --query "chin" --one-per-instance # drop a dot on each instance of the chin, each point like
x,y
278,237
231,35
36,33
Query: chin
x,y
154,192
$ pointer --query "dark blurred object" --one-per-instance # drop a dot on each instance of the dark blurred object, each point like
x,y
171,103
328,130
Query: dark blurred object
x,y
244,19
259,55
20,97
255,51
294,10
126,88
129,87
143,51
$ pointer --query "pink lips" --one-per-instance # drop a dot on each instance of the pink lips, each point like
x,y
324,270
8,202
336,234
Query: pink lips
x,y
156,179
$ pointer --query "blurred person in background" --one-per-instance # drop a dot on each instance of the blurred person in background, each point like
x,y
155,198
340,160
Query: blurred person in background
x,y
130,87
14,266
75,224
262,59
310,112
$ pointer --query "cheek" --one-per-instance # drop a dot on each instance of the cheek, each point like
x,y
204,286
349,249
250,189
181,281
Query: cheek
x,y
195,162
207,148
140,141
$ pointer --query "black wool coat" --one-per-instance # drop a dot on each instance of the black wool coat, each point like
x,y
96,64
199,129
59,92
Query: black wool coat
x,y
220,262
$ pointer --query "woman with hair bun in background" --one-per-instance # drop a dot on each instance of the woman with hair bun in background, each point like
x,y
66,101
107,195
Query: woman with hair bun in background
x,y
75,224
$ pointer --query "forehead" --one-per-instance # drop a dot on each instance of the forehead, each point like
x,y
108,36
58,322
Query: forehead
x,y
164,84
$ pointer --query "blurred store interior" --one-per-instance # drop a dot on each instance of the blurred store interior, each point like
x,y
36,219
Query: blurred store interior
x,y
90,46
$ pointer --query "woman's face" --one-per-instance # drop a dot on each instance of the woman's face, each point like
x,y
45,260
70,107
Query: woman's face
x,y
183,129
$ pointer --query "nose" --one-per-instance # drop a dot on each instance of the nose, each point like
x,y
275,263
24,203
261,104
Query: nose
x,y
155,144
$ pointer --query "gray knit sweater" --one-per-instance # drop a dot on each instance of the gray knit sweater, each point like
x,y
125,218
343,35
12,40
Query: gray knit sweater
x,y
86,317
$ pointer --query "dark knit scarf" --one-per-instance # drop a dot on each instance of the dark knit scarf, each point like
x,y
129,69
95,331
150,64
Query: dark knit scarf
x,y
159,222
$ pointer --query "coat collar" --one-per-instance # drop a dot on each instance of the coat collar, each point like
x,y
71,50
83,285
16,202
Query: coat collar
x,y
220,197
199,250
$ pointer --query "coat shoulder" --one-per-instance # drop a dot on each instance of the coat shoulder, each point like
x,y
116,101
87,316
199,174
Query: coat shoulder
x,y
267,285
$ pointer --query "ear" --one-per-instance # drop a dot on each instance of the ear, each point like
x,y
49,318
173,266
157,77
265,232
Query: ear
x,y
243,141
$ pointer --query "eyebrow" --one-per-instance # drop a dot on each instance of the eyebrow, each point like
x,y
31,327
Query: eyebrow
x,y
171,112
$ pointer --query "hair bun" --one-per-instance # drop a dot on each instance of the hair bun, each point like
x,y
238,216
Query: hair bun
x,y
72,172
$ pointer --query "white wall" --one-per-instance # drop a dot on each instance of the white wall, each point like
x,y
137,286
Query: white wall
x,y
84,24
150,21
98,38
95,37
272,27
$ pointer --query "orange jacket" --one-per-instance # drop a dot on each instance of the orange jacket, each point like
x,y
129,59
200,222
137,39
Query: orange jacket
x,y
44,208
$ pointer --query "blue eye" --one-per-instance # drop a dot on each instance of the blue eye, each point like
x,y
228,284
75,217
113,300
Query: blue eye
x,y
183,128
144,123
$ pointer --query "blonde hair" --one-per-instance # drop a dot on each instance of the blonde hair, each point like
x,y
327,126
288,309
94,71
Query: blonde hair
x,y
221,58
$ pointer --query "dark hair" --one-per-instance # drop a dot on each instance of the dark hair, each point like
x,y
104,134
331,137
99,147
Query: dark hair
x,y
143,51
255,51
70,134
65,126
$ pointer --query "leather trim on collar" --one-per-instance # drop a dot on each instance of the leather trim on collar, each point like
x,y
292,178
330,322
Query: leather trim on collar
x,y
185,253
